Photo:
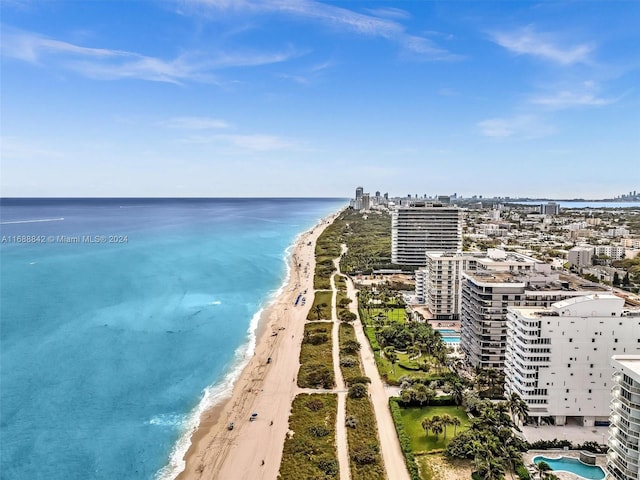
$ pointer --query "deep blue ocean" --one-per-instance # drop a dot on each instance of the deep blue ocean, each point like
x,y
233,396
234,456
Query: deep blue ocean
x,y
125,319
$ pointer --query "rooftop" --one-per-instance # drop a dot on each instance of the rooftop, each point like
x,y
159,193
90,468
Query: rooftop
x,y
631,362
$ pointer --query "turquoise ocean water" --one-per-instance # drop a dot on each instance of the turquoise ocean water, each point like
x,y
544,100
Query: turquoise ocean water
x,y
110,350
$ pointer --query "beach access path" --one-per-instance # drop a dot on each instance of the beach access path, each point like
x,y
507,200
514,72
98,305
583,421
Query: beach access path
x,y
341,429
253,449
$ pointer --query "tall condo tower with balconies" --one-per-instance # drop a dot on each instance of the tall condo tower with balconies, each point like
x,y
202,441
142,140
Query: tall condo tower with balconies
x,y
420,228
558,357
623,459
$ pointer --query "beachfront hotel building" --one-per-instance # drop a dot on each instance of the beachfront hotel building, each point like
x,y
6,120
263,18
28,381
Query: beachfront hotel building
x,y
623,459
499,281
558,357
420,228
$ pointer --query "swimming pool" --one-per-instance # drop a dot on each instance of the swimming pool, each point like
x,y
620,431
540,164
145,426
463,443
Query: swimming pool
x,y
572,465
444,331
451,339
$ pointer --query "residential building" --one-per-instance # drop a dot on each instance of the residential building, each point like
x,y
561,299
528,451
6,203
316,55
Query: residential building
x,y
496,285
420,228
579,257
614,252
623,459
438,285
551,208
558,357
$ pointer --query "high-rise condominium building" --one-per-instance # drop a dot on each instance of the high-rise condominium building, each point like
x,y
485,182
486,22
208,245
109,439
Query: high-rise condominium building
x,y
623,459
558,357
505,280
424,227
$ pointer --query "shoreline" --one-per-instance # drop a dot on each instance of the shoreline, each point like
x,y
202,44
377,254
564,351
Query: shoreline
x,y
262,385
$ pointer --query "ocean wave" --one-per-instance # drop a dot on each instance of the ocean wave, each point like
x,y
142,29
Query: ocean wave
x,y
33,221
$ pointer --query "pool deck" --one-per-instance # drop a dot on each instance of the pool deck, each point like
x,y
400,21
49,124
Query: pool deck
x,y
527,458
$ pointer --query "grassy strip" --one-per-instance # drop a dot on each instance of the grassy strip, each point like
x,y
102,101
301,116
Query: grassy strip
x,y
316,361
349,361
405,439
321,298
311,451
341,282
364,448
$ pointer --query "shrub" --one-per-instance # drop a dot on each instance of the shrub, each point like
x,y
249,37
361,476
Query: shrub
x,y
329,466
319,431
358,379
523,473
365,454
358,390
316,338
348,361
315,405
351,421
347,316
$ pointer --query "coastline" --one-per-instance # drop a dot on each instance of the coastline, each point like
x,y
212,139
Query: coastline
x,y
254,449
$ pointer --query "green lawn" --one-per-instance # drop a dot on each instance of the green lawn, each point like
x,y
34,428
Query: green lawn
x,y
393,315
412,419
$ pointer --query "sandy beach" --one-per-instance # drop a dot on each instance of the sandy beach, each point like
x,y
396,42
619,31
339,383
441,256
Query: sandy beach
x,y
253,449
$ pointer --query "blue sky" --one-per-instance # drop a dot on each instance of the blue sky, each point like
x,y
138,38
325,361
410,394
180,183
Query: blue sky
x,y
309,98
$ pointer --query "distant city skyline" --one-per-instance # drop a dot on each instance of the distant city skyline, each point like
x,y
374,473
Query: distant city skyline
x,y
209,98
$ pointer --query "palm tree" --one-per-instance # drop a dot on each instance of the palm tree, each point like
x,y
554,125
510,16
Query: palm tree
x,y
518,408
489,467
406,395
542,469
427,424
392,356
318,310
436,426
455,421
456,393
446,420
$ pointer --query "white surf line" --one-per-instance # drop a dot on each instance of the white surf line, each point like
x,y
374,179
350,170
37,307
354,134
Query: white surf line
x,y
33,221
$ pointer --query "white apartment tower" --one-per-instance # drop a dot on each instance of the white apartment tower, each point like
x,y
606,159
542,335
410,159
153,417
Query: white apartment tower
x,y
623,459
558,357
424,227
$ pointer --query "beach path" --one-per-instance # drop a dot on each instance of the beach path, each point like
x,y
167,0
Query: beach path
x,y
341,429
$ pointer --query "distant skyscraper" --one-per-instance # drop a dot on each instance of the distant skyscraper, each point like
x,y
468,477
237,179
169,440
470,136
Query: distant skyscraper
x,y
551,208
424,227
357,204
366,202
359,192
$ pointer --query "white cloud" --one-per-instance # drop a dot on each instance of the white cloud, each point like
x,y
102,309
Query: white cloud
x,y
390,12
107,64
194,123
527,41
521,127
384,26
253,142
586,95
